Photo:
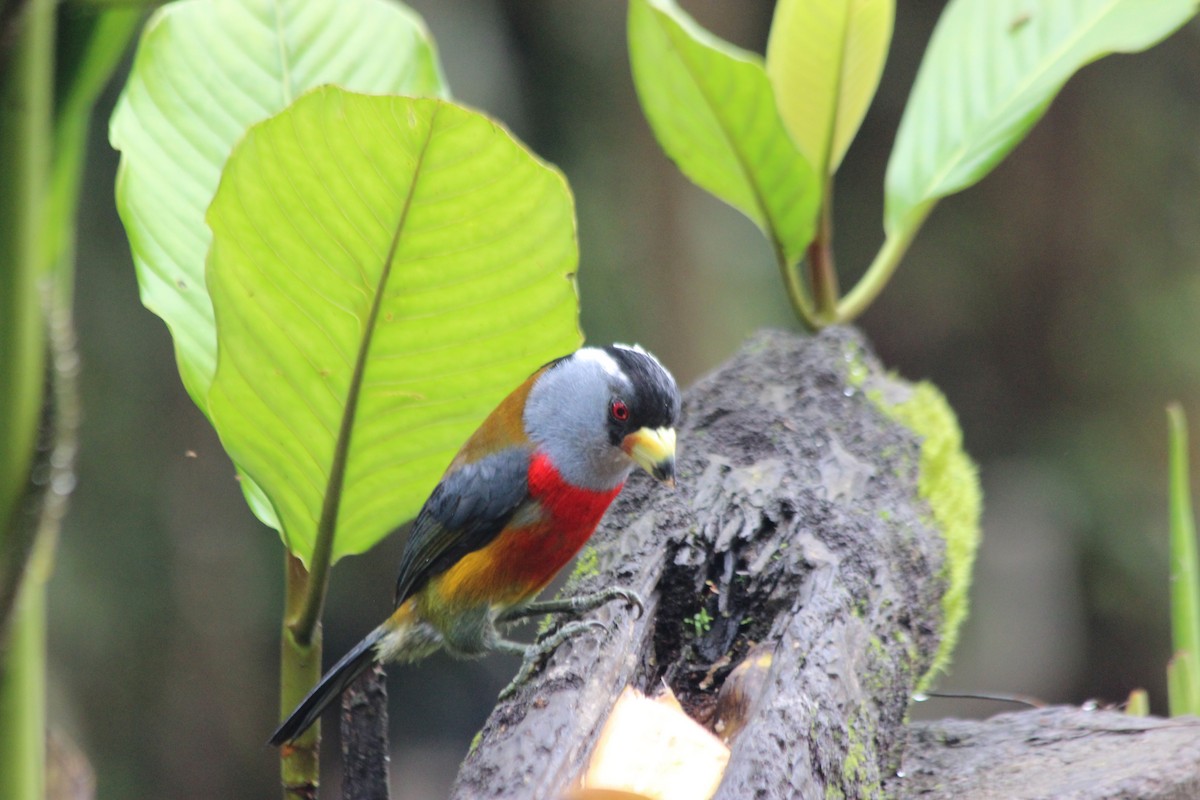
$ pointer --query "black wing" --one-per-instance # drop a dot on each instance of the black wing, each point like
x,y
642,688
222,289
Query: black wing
x,y
466,511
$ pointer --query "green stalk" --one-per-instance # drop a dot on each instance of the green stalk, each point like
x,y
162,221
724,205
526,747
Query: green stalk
x,y
26,67
1185,574
880,272
23,699
92,42
797,293
26,75
299,671
822,274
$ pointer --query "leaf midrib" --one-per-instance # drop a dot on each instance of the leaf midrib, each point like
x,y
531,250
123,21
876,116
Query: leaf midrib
x,y
839,79
331,503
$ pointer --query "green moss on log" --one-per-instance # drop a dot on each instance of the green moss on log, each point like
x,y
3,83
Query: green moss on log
x,y
949,481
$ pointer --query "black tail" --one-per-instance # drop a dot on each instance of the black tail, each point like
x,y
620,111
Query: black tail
x,y
328,689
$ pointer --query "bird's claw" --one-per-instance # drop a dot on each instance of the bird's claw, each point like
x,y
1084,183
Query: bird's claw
x,y
632,599
579,604
552,639
590,602
544,646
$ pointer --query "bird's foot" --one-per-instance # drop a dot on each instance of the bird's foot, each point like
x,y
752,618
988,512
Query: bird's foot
x,y
577,605
533,654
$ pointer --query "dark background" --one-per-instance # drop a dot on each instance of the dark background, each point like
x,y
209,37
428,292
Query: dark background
x,y
1055,304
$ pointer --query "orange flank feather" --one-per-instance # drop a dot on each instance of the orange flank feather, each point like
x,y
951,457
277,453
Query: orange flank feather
x,y
504,427
519,562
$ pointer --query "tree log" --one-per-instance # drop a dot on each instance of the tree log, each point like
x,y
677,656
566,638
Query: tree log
x,y
1060,753
796,524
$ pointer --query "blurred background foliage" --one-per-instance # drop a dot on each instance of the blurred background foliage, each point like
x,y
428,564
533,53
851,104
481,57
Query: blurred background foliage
x,y
1056,304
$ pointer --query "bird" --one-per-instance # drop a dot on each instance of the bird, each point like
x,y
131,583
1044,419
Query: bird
x,y
518,501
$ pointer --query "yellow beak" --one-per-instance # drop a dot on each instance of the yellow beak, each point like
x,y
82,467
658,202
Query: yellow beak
x,y
653,449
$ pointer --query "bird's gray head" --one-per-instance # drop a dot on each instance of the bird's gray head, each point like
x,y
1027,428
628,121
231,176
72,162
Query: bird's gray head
x,y
599,411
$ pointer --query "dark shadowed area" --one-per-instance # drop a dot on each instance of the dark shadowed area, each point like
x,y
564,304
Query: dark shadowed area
x,y
1055,305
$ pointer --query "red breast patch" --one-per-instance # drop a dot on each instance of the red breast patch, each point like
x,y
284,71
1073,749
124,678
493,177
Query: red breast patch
x,y
567,506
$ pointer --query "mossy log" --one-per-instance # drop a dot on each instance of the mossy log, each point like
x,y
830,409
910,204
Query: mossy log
x,y
798,524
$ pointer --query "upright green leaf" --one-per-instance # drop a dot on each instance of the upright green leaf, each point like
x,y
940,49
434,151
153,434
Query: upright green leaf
x,y
205,71
711,107
384,270
824,59
991,69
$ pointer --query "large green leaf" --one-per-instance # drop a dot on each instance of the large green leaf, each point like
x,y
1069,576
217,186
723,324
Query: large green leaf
x,y
711,107
991,69
824,59
384,270
205,71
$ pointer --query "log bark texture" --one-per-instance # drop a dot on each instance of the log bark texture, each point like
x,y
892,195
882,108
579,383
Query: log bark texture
x,y
796,524
364,729
1055,753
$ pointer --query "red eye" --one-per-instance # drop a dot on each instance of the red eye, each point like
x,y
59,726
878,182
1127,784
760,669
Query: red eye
x,y
619,411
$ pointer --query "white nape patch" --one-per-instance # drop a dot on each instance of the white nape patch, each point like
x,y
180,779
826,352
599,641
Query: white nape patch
x,y
637,348
598,356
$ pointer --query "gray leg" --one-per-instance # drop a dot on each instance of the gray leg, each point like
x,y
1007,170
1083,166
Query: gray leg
x,y
575,605
534,654
509,648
